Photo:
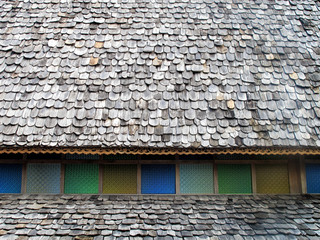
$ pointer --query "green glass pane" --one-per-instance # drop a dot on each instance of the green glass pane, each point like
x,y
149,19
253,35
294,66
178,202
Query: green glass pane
x,y
81,178
234,178
272,178
120,179
196,178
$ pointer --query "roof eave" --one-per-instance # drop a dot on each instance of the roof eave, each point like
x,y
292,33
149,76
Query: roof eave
x,y
161,151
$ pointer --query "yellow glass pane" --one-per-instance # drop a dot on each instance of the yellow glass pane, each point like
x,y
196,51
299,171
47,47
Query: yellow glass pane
x,y
272,178
120,179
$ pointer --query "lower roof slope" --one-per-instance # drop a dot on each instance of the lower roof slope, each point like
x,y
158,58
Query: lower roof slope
x,y
159,73
156,217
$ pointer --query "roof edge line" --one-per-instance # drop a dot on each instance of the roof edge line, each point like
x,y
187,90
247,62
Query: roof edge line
x,y
161,151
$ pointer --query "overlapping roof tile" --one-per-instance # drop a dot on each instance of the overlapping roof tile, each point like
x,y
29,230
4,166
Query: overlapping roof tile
x,y
159,73
159,217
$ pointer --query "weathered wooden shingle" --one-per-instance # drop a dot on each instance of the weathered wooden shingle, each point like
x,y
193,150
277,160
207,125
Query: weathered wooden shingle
x,y
154,217
159,73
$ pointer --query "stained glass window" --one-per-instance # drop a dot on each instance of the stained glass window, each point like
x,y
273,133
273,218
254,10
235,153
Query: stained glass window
x,y
120,179
272,178
313,178
43,178
10,178
158,178
196,178
234,178
81,178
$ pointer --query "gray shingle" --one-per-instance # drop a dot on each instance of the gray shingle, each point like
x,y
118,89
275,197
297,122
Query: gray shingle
x,y
205,67
159,216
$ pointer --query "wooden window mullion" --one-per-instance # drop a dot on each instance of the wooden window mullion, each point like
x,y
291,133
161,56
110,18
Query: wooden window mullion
x,y
303,177
139,175
24,178
253,178
62,174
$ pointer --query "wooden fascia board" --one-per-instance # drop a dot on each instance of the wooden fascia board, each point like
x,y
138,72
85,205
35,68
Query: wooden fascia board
x,y
161,151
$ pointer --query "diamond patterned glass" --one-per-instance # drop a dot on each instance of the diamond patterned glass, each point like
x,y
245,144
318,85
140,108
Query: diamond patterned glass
x,y
82,157
196,178
120,157
10,178
272,178
313,178
81,178
43,178
158,178
234,178
120,179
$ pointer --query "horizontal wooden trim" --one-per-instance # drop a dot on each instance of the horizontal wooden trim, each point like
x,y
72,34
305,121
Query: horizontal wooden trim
x,y
162,151
125,162
312,161
249,161
107,162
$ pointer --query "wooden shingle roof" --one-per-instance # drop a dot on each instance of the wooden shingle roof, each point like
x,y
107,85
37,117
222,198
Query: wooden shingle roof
x,y
159,73
95,217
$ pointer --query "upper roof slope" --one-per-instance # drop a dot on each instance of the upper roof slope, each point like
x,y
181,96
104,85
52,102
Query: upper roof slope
x,y
178,73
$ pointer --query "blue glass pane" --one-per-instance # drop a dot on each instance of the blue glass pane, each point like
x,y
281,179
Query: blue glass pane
x,y
158,178
10,178
313,178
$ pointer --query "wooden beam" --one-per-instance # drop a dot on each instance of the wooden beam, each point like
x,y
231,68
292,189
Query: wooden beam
x,y
249,161
294,176
311,160
139,176
177,178
24,179
101,168
303,176
253,178
62,176
139,179
215,176
164,151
